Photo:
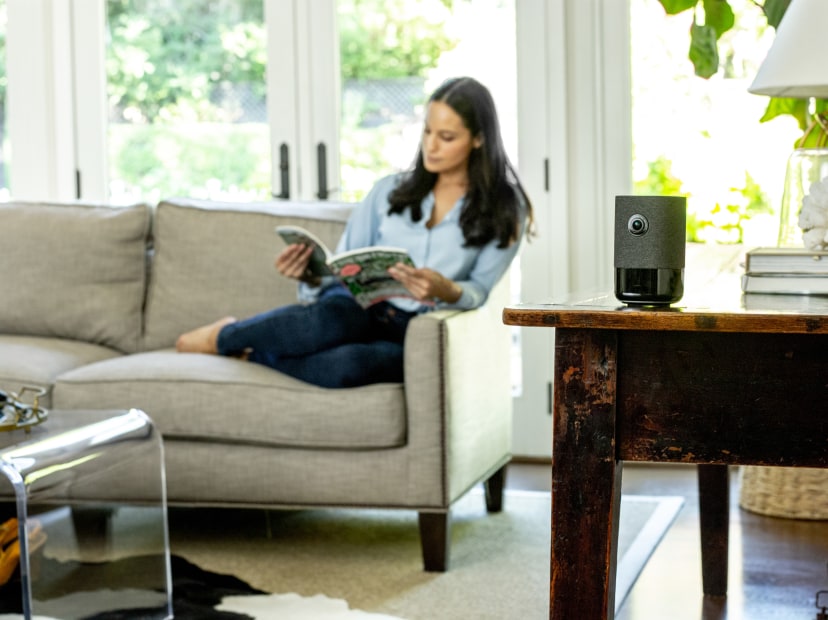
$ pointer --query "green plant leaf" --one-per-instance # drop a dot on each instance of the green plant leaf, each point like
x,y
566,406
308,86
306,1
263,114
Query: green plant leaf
x,y
812,139
774,10
816,134
780,106
704,53
673,7
719,15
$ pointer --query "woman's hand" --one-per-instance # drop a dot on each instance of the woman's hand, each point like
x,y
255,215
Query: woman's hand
x,y
292,262
426,284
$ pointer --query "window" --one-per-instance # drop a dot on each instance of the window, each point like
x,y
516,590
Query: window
x,y
702,138
393,54
187,100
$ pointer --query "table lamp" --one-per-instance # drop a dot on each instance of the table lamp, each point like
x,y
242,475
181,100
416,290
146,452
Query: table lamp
x,y
795,68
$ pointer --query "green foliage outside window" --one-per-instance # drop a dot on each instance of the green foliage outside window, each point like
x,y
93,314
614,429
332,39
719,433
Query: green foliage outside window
x,y
389,42
726,221
713,29
660,180
711,19
186,86
723,222
381,39
175,60
175,160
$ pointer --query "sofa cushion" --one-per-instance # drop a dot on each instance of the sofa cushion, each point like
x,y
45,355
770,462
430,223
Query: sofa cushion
x,y
226,400
37,361
74,271
216,259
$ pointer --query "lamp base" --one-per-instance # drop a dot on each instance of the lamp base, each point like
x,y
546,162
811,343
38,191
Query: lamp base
x,y
805,166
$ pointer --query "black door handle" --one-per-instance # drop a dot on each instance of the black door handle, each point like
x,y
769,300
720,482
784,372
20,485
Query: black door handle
x,y
322,171
284,172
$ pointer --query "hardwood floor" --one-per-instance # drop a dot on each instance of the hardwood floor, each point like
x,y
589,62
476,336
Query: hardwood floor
x,y
776,565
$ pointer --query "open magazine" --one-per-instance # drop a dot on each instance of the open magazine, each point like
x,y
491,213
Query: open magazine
x,y
364,271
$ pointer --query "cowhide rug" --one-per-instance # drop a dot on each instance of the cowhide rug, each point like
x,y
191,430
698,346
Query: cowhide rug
x,y
197,595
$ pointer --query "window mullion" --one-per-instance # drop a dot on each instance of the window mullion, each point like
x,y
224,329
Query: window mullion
x,y
40,102
89,92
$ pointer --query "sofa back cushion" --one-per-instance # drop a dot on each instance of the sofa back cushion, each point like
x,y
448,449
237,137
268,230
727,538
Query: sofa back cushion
x,y
75,271
214,259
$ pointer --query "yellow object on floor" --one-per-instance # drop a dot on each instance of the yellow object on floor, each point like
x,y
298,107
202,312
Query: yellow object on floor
x,y
8,532
10,552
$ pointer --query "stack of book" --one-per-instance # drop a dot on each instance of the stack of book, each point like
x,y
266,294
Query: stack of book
x,y
792,271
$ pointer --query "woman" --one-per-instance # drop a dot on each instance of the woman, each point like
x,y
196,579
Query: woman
x,y
461,212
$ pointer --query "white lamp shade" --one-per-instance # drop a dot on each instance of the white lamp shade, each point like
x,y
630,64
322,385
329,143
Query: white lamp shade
x,y
797,64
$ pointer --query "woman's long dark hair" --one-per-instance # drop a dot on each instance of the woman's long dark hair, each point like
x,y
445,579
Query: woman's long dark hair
x,y
491,208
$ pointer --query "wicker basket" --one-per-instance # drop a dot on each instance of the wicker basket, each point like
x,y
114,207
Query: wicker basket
x,y
791,492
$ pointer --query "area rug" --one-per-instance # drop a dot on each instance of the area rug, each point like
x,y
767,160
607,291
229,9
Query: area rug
x,y
366,564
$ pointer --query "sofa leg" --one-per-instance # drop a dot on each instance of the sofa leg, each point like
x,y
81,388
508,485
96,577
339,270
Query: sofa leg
x,y
93,529
435,530
494,490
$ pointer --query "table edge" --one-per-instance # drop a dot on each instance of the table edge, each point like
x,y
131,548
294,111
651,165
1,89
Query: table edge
x,y
663,319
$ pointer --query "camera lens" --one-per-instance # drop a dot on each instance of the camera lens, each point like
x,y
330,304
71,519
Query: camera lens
x,y
638,224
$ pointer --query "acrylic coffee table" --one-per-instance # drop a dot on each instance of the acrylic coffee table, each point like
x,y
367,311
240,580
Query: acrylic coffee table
x,y
80,467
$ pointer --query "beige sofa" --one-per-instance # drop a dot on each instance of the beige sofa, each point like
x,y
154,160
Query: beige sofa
x,y
93,297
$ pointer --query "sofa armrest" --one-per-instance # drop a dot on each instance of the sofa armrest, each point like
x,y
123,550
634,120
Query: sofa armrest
x,y
458,390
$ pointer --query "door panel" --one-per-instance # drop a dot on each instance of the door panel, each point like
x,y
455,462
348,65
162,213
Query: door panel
x,y
187,100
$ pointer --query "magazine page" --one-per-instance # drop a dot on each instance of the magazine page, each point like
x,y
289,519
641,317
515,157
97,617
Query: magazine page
x,y
365,273
318,264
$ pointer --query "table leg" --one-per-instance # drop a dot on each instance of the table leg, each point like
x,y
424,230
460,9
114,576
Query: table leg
x,y
586,476
714,519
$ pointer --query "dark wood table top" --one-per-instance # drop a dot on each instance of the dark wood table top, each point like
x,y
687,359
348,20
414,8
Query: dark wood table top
x,y
718,307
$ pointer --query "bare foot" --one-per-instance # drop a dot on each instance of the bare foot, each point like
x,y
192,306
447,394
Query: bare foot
x,y
202,339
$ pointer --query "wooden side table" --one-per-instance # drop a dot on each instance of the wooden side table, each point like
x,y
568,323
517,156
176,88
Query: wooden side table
x,y
717,381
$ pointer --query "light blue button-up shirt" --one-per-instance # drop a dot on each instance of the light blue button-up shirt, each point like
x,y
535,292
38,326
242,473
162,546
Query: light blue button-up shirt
x,y
475,269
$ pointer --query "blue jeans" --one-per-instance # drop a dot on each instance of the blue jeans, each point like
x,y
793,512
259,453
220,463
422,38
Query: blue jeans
x,y
332,343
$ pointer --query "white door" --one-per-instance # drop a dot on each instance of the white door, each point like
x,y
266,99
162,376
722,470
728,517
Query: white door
x,y
303,98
